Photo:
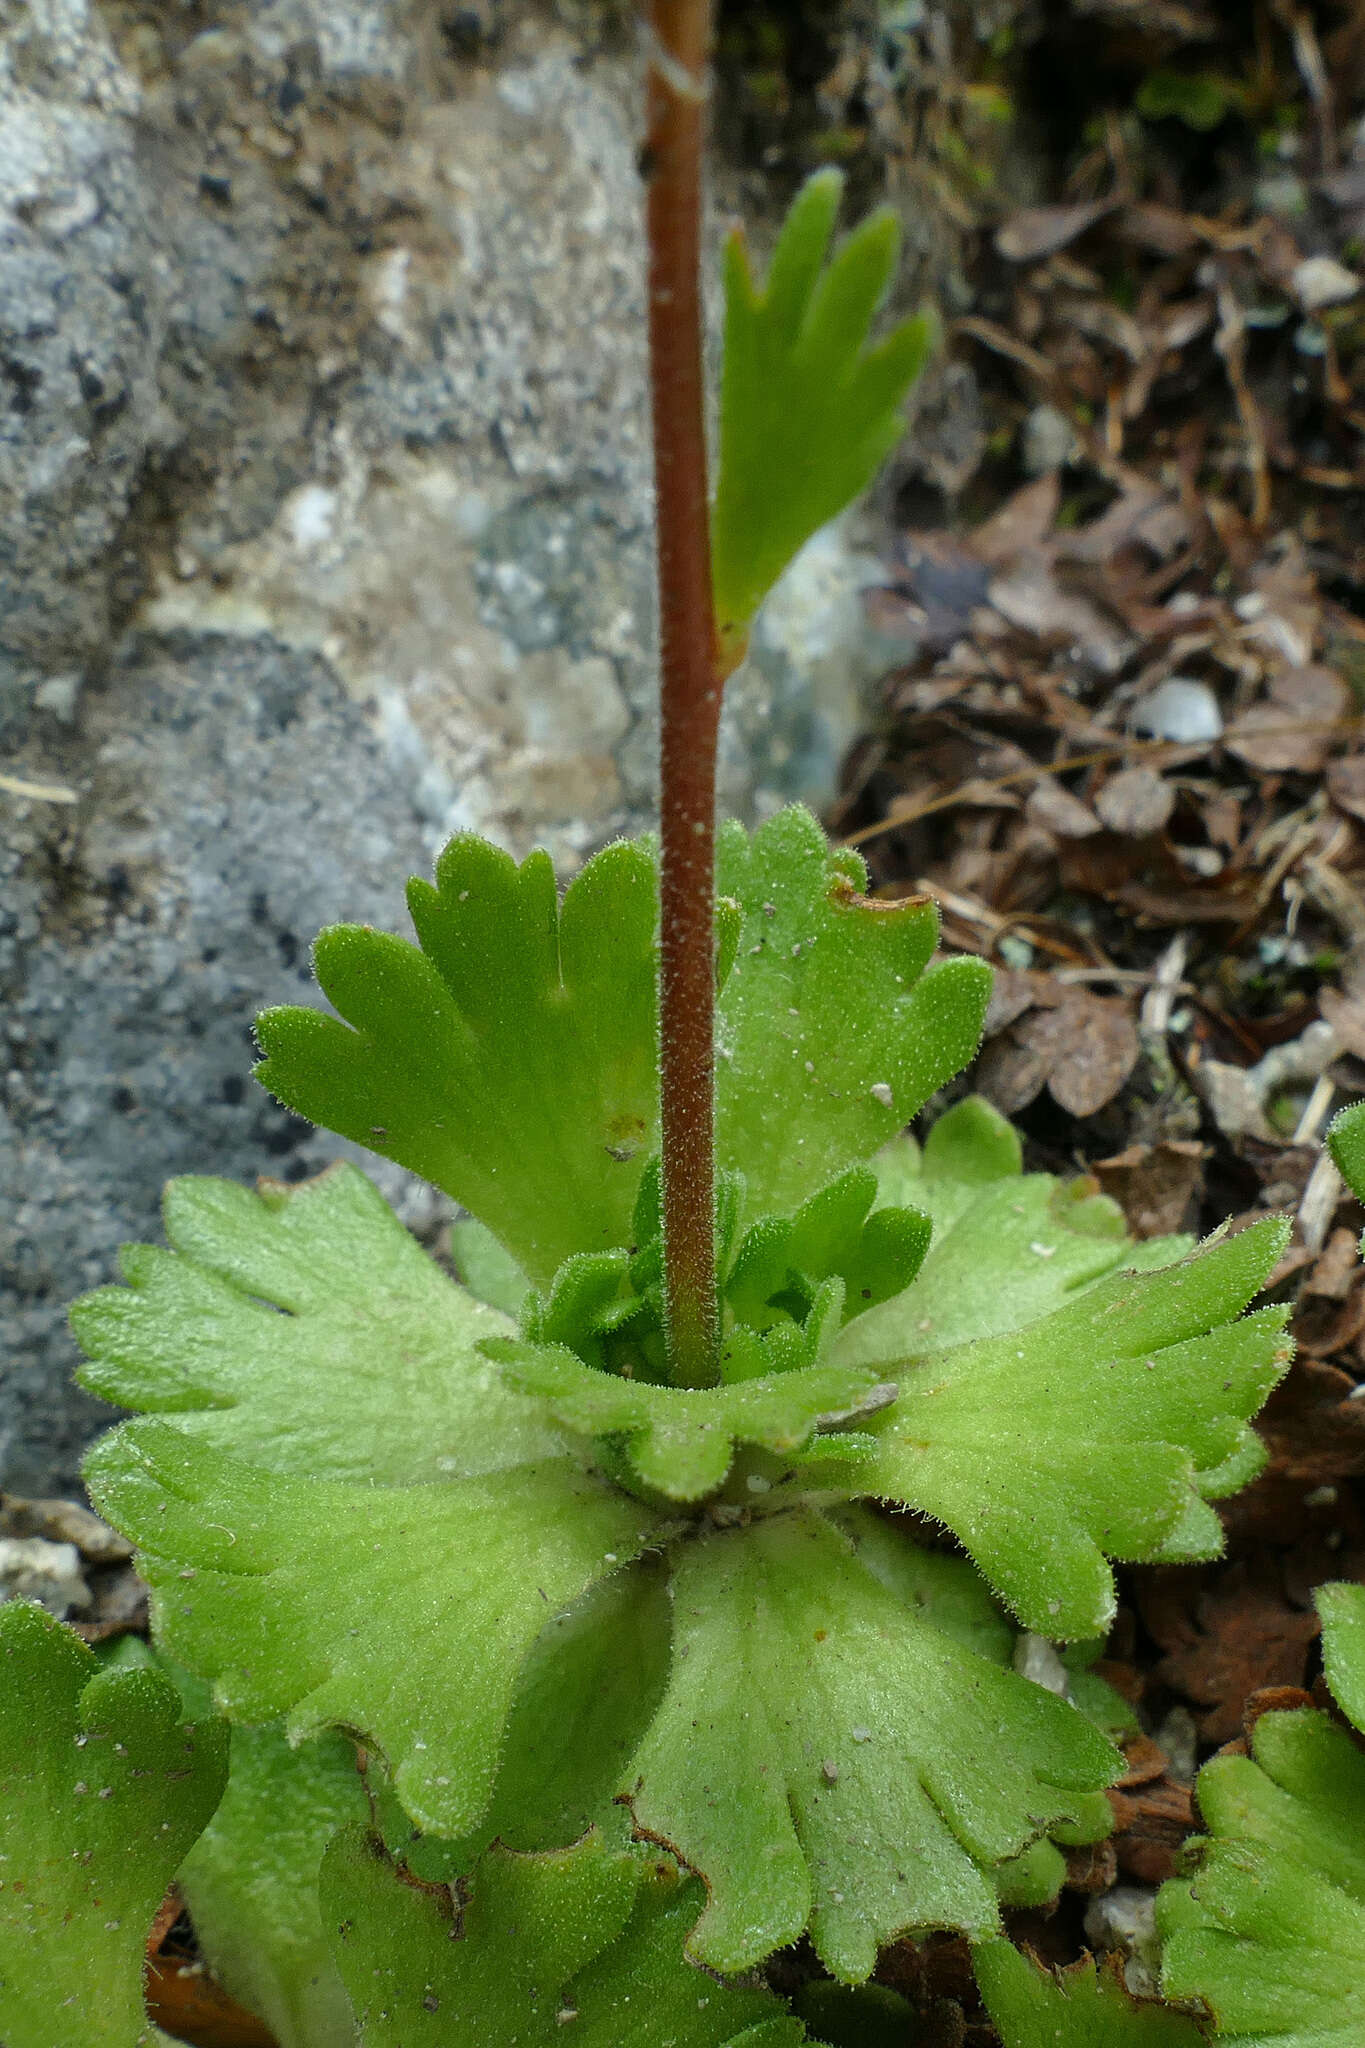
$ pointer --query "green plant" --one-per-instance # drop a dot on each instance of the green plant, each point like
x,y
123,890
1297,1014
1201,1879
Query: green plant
x,y
663,1605
1268,1932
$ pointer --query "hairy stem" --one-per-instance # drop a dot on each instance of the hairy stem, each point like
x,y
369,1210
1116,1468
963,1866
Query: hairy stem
x,y
691,686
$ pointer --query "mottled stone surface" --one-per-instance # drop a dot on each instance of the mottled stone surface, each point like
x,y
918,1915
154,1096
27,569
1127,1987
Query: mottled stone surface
x,y
324,499
324,512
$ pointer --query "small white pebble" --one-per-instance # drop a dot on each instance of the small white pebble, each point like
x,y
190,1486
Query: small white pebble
x,y
1180,709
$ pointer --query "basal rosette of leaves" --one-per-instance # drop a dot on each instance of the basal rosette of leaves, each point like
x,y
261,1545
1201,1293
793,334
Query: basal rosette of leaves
x,y
545,1588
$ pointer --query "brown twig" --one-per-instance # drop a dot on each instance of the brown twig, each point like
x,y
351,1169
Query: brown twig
x,y
679,32
981,786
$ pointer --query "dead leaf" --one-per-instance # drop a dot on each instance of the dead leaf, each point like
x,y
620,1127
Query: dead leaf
x,y
1010,1074
1012,993
1136,802
1346,1015
1294,728
1057,810
1346,785
1041,230
1089,1046
1153,1184
1232,1100
1031,598
1225,1636
1337,1267
1158,228
1024,521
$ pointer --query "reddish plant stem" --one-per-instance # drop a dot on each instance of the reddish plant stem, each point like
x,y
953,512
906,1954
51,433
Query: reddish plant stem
x,y
691,686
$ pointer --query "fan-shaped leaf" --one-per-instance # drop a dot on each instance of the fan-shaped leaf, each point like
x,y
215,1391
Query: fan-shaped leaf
x,y
1270,1931
824,1756
303,1329
1007,1247
403,1613
1093,1433
511,1060
583,1944
830,1033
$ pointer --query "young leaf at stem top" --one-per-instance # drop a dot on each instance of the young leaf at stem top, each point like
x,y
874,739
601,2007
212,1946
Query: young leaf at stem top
x,y
809,410
102,1791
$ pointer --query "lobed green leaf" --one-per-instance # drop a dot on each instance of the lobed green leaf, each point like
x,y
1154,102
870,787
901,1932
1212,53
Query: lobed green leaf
x,y
830,1032
1270,1931
1082,2008
1094,1433
827,1758
510,1060
1007,1247
338,1605
583,1944
809,410
304,1330
103,1789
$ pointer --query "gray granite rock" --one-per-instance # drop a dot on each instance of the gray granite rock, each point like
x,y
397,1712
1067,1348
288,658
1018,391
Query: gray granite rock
x,y
324,499
83,291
